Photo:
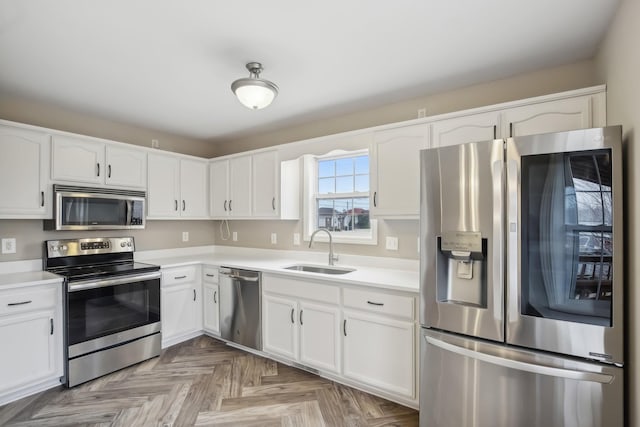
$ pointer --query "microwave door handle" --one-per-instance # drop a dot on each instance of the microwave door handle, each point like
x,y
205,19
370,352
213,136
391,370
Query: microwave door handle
x,y
129,211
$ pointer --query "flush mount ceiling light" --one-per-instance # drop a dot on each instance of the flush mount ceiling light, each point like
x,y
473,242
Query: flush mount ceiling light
x,y
254,92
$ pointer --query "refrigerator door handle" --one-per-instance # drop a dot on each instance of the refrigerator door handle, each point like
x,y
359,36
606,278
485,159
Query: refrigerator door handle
x,y
513,231
498,236
521,365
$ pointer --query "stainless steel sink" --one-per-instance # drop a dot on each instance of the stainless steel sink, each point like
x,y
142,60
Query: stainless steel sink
x,y
323,269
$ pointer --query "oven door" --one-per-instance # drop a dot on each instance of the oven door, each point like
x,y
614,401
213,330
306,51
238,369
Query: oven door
x,y
109,312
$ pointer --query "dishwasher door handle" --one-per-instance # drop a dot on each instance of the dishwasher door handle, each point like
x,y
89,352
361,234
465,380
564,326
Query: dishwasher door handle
x,y
243,278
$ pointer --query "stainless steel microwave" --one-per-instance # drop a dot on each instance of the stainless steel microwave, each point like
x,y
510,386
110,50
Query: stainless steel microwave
x,y
88,208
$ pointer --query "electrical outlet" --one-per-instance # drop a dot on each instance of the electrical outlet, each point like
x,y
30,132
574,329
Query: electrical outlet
x,y
422,112
9,246
392,243
155,143
185,236
274,238
296,239
235,236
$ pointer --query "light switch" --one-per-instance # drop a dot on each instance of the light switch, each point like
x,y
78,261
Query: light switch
x,y
9,246
274,238
235,236
392,243
296,239
185,236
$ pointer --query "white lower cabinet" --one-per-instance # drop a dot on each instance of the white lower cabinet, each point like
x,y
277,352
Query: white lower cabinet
x,y
362,337
181,305
301,322
380,351
210,301
31,333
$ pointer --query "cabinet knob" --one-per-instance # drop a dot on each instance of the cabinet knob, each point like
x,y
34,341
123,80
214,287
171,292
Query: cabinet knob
x,y
292,321
97,169
344,327
109,171
273,203
301,318
42,198
225,205
175,203
375,199
215,297
184,205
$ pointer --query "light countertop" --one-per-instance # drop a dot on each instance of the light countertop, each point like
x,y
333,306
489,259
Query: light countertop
x,y
28,278
393,277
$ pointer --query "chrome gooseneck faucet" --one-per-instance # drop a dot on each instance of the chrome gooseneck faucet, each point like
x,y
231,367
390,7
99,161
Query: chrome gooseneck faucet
x,y
331,256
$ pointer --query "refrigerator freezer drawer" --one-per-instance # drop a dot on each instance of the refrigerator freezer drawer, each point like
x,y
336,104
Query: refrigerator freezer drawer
x,y
467,382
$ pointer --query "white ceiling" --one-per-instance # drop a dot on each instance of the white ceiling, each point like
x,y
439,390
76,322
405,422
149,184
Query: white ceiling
x,y
168,64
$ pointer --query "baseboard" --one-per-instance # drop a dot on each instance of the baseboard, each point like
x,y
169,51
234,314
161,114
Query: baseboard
x,y
25,391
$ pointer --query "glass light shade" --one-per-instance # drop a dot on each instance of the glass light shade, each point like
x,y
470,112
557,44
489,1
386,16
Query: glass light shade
x,y
254,93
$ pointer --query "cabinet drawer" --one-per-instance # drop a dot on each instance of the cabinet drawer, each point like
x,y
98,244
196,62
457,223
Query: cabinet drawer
x,y
379,302
23,300
301,289
210,274
179,275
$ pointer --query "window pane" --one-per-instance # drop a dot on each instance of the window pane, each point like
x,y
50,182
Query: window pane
x,y
344,184
326,185
589,208
608,209
344,166
362,164
362,183
325,213
361,213
326,168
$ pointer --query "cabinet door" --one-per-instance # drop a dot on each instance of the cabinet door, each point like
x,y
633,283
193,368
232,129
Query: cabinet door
x,y
279,326
193,189
396,173
459,130
24,159
28,351
77,160
219,186
179,311
211,308
546,117
319,336
380,351
163,186
126,167
266,185
240,186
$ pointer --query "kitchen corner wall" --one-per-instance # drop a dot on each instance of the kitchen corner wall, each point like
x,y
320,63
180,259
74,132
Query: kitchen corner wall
x,y
257,234
618,64
157,235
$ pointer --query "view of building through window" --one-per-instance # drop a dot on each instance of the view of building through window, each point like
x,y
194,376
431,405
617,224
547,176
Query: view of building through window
x,y
343,194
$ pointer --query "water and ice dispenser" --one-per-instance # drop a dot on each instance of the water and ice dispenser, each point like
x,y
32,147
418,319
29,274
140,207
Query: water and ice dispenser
x,y
462,268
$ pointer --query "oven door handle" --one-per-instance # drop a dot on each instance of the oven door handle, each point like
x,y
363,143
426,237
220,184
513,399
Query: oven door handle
x,y
120,280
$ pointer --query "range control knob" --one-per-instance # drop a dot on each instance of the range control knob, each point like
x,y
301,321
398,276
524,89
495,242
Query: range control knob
x,y
123,244
129,244
64,247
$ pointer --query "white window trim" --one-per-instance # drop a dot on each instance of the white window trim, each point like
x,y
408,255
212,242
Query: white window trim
x,y
309,202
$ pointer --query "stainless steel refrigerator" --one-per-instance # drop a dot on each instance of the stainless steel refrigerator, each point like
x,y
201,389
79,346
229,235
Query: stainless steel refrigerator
x,y
522,286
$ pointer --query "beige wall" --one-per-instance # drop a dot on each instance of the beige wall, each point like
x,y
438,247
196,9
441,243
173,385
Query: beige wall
x,y
572,76
157,235
257,234
618,63
54,117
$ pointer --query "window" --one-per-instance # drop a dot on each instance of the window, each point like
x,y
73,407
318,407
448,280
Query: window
x,y
339,197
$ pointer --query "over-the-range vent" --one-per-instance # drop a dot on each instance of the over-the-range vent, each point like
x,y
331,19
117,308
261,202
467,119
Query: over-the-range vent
x,y
95,190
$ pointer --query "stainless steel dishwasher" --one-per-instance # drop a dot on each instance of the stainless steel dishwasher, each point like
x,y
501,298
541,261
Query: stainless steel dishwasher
x,y
240,307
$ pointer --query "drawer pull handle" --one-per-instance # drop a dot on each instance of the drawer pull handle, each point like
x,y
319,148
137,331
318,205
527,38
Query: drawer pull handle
x,y
301,318
210,275
215,297
344,327
292,321
180,277
42,198
379,304
51,331
19,303
194,294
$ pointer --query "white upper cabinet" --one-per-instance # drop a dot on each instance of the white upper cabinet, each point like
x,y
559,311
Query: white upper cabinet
x,y
24,174
77,160
86,161
231,187
193,188
395,175
177,187
126,167
219,187
265,184
545,117
240,186
472,128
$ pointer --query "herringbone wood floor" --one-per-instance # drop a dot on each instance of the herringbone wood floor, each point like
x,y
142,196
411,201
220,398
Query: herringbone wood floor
x,y
204,382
